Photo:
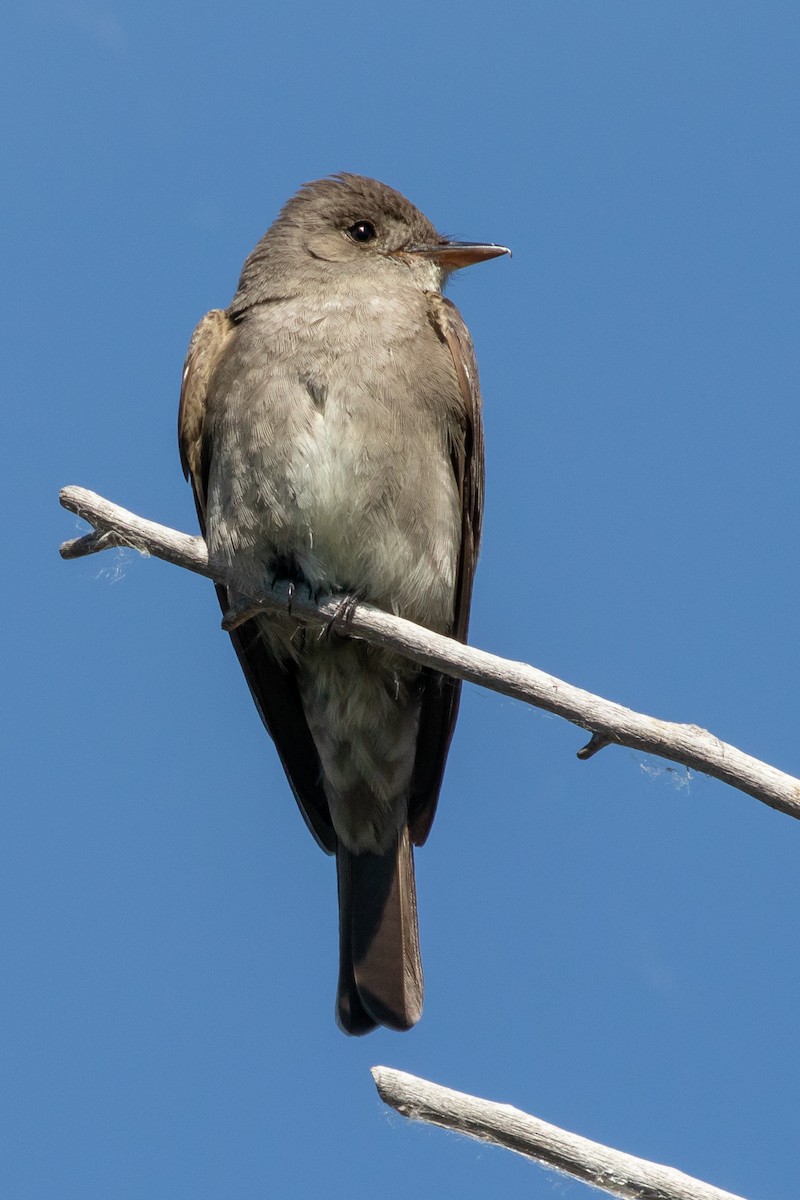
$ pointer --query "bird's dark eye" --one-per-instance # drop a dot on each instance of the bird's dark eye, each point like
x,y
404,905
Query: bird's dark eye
x,y
362,231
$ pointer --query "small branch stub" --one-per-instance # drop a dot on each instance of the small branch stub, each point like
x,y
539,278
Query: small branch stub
x,y
598,742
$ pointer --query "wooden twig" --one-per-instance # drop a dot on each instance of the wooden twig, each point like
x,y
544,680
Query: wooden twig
x,y
608,722
612,1171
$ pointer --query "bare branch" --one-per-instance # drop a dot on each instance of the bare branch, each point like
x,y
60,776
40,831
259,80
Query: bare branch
x,y
606,721
612,1171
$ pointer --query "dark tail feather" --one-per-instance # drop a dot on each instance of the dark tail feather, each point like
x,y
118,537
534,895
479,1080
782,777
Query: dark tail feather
x,y
351,1016
380,973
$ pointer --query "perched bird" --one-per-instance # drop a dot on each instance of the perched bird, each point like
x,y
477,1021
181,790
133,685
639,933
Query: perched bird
x,y
330,424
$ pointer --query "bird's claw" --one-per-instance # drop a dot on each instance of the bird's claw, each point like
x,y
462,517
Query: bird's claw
x,y
342,620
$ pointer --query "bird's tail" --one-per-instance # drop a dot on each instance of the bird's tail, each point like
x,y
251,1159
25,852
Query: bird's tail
x,y
380,972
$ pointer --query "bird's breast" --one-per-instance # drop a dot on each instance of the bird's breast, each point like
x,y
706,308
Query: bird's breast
x,y
372,504
331,448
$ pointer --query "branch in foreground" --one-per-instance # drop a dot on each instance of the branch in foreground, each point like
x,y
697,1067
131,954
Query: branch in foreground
x,y
606,721
612,1171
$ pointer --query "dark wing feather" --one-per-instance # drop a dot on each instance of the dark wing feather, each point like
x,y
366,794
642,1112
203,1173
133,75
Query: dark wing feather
x,y
441,693
273,686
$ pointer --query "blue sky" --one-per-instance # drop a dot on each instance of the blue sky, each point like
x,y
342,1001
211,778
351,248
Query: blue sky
x,y
611,945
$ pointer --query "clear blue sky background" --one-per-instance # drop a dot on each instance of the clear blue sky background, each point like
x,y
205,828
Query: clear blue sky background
x,y
611,945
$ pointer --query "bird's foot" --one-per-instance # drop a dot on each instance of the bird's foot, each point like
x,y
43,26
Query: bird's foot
x,y
243,608
342,620
295,587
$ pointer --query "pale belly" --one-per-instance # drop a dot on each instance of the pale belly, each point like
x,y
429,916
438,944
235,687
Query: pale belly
x,y
377,522
375,516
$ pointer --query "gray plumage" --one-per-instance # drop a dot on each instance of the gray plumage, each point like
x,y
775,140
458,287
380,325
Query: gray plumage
x,y
330,425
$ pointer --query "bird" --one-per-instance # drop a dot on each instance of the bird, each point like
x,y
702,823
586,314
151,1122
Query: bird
x,y
330,426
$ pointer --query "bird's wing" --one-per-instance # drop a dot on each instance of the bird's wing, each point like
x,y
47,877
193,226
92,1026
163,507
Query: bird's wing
x,y
441,692
205,351
273,685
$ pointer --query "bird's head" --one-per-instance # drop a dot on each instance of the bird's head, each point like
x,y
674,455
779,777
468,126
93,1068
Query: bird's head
x,y
361,230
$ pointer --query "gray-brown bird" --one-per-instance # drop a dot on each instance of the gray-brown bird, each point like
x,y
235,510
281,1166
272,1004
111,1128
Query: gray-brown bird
x,y
330,424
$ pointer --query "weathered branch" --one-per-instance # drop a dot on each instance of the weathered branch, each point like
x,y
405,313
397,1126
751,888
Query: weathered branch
x,y
612,1171
609,723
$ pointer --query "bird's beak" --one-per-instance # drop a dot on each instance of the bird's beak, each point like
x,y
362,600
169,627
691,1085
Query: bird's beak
x,y
452,255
